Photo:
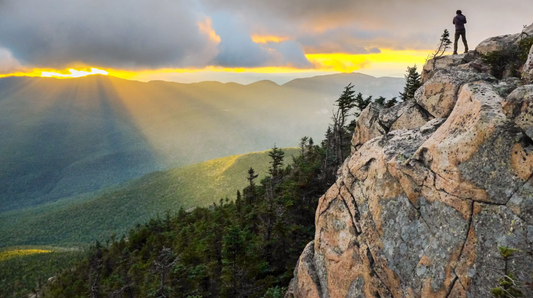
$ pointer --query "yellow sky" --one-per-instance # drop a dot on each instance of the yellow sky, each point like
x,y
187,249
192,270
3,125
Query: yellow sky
x,y
387,63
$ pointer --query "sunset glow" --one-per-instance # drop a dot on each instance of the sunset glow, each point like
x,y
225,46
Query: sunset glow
x,y
54,73
268,38
394,61
206,27
235,40
351,62
391,61
73,73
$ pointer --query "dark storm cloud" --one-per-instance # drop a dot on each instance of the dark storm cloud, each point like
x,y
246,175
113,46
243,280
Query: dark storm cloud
x,y
134,33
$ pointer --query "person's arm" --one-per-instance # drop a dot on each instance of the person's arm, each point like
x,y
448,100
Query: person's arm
x,y
465,20
454,20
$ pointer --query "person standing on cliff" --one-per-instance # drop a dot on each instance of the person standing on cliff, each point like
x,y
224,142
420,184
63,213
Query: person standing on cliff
x,y
459,21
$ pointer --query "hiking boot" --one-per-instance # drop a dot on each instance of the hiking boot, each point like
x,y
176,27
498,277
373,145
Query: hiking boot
x,y
454,53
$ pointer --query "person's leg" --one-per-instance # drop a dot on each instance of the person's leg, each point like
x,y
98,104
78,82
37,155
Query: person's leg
x,y
457,34
463,34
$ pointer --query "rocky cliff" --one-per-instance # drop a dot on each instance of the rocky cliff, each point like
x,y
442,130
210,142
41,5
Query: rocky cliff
x,y
432,188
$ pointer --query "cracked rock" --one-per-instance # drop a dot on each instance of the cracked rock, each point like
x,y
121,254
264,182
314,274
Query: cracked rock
x,y
439,95
432,189
518,106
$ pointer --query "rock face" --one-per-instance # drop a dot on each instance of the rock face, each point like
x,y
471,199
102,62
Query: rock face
x,y
445,62
497,43
376,121
432,188
519,107
438,94
528,67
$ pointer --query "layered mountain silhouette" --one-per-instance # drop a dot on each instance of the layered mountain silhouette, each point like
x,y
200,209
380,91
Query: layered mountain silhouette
x,y
62,138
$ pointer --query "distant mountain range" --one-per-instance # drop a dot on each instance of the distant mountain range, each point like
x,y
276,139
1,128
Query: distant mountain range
x,y
62,138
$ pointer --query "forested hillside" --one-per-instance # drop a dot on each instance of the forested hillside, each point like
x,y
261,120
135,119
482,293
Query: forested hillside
x,y
235,248
26,269
77,221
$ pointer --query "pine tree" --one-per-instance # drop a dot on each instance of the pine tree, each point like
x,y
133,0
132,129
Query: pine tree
x,y
387,103
233,250
391,102
277,155
444,44
249,192
303,147
380,100
345,103
251,177
412,83
339,133
238,205
361,103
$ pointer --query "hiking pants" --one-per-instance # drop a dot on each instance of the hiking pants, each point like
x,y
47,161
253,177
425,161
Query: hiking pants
x,y
457,34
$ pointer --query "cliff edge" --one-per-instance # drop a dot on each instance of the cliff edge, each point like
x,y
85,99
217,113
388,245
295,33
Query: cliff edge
x,y
432,188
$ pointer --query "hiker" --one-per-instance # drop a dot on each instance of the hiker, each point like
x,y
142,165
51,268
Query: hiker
x,y
459,21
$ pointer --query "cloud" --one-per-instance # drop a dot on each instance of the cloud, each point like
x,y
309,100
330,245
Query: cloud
x,y
237,48
139,34
291,54
394,24
8,64
344,40
125,34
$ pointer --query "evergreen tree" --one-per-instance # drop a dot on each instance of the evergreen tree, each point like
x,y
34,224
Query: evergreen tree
x,y
277,155
380,100
386,103
345,103
251,176
233,251
412,83
444,45
303,148
391,102
249,192
361,103
340,132
162,265
238,206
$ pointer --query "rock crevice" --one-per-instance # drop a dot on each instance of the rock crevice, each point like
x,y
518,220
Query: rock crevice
x,y
432,188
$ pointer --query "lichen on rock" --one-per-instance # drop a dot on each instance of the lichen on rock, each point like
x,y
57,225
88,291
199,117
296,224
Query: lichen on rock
x,y
518,106
432,188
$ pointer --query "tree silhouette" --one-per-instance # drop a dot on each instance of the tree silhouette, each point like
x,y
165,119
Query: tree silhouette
x,y
412,83
444,45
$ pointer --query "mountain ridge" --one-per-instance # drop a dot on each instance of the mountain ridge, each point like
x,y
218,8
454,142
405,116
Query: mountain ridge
x,y
60,134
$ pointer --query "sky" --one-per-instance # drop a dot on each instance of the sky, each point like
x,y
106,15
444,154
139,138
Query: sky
x,y
237,40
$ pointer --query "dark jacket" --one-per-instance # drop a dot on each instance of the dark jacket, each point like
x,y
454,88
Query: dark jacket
x,y
459,22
